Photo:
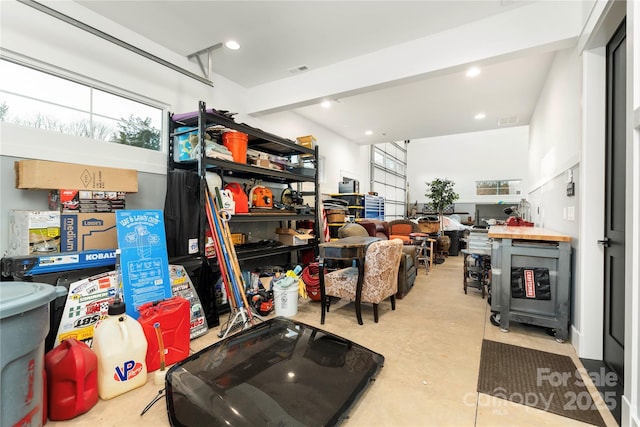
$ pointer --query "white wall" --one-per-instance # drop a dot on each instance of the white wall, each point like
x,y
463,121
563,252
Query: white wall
x,y
467,158
555,139
587,339
554,150
337,155
555,130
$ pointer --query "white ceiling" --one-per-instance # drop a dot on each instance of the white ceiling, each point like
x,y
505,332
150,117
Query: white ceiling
x,y
325,36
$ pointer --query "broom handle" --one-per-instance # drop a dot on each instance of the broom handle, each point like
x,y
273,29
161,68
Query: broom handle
x,y
226,234
220,257
227,256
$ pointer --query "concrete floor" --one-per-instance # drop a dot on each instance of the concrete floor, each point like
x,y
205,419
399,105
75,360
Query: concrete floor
x,y
431,344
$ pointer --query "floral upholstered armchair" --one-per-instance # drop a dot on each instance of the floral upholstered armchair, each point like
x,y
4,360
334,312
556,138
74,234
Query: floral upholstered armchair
x,y
408,261
380,280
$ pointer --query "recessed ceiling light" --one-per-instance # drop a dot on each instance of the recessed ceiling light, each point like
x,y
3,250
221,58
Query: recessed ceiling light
x,y
473,71
232,44
368,132
325,104
480,116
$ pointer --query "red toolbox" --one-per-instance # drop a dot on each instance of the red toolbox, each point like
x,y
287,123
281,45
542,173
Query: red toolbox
x,y
166,324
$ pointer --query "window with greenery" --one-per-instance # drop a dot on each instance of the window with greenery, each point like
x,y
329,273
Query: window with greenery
x,y
30,97
498,187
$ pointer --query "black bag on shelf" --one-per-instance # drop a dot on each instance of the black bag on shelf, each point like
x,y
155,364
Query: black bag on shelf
x,y
530,283
182,212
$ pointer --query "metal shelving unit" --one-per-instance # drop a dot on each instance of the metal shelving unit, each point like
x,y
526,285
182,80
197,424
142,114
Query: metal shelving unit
x,y
298,155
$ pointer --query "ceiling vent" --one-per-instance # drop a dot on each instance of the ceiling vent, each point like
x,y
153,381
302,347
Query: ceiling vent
x,y
300,69
507,120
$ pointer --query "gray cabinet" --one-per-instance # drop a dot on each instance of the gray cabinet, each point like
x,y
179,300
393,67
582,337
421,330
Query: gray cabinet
x,y
531,276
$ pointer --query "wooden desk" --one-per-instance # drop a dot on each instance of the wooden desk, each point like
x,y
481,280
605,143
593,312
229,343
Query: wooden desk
x,y
348,249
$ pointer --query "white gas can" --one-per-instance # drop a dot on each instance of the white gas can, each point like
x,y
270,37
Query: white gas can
x,y
121,347
228,204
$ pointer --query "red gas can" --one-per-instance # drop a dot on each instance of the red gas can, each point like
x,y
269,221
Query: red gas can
x,y
166,324
239,197
72,379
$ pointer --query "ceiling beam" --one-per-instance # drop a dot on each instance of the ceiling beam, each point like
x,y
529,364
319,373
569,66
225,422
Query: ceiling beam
x,y
541,26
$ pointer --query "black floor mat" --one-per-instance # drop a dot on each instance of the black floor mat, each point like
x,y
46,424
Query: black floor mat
x,y
539,379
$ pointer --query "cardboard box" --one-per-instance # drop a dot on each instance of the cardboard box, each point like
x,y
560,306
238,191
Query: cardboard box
x,y
41,174
291,237
238,238
308,141
33,232
86,201
87,231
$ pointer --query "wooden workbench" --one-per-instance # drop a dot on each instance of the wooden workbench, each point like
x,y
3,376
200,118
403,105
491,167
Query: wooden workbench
x,y
526,233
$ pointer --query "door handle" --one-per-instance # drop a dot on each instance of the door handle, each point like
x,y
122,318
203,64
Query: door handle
x,y
604,242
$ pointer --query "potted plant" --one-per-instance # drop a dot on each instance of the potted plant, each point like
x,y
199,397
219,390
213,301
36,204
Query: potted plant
x,y
441,194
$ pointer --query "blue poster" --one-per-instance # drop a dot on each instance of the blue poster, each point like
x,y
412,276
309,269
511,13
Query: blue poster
x,y
143,259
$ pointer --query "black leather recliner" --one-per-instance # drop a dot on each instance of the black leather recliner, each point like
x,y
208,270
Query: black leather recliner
x,y
408,270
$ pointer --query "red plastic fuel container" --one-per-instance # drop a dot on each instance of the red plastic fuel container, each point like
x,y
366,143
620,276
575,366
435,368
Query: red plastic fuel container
x,y
72,379
239,197
166,324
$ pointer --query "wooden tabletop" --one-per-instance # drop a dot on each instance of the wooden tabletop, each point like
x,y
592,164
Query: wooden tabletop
x,y
526,233
347,248
349,242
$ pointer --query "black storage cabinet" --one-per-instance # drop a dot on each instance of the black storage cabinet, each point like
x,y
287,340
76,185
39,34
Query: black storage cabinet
x,y
455,236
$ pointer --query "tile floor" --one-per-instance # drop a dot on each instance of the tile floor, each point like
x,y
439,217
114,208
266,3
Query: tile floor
x,y
431,345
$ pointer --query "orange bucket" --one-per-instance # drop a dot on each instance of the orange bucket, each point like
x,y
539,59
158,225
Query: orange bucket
x,y
236,142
